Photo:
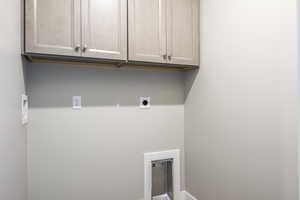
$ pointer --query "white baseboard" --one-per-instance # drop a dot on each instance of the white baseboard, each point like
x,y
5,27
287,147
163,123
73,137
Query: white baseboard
x,y
187,196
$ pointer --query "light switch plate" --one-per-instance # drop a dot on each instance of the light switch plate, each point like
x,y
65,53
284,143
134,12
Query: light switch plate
x,y
76,100
24,109
145,102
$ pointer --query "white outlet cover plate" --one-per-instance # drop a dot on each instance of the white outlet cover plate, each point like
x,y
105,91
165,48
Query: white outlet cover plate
x,y
24,109
142,105
76,101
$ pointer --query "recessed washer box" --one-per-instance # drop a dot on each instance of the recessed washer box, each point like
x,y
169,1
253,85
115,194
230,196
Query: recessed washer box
x,y
162,175
162,179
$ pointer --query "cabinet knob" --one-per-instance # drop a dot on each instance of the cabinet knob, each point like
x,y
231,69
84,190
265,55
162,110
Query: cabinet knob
x,y
84,48
165,56
170,57
77,47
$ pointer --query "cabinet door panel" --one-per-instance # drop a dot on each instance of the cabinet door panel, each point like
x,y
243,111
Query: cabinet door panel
x,y
147,30
104,29
53,27
183,32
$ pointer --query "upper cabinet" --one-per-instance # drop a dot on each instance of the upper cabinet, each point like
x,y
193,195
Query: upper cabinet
x,y
104,29
164,31
147,30
183,32
159,31
53,27
89,28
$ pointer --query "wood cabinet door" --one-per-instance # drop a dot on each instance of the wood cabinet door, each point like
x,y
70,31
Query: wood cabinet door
x,y
104,29
52,27
147,30
183,32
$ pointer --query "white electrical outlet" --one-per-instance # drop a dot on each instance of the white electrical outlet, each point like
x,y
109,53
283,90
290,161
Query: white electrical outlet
x,y
24,109
145,102
76,102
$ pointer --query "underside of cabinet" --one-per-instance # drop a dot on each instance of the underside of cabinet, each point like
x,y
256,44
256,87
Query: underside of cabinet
x,y
43,58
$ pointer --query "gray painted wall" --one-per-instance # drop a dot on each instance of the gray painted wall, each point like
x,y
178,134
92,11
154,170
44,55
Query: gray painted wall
x,y
97,152
12,134
241,107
